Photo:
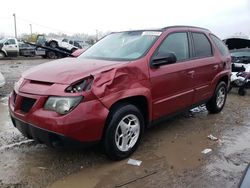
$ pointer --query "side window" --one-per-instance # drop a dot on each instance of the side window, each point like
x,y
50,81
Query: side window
x,y
202,46
176,43
220,45
11,41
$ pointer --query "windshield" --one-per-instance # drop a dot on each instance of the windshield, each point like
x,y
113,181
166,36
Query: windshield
x,y
240,54
241,57
128,45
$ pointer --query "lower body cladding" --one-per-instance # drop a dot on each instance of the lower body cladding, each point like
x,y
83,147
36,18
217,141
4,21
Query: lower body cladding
x,y
82,126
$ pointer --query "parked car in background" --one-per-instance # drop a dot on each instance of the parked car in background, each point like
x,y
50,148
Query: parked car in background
x,y
26,50
240,52
124,83
9,47
2,80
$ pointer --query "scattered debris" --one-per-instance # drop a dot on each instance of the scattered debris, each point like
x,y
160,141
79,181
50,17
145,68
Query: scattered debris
x,y
134,162
206,151
42,168
13,66
211,137
135,179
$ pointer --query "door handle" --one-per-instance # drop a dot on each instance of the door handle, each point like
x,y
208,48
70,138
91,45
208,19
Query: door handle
x,y
191,73
215,67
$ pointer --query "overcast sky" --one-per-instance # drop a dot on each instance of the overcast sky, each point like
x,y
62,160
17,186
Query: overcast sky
x,y
223,17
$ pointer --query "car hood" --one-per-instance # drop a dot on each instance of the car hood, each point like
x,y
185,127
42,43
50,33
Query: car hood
x,y
68,70
237,43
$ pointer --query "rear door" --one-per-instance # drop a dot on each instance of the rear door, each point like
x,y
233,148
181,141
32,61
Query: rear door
x,y
205,66
172,83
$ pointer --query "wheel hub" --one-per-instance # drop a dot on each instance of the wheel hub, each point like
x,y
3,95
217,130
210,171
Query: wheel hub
x,y
221,96
127,132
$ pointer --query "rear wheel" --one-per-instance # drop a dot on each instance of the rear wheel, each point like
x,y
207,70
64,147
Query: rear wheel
x,y
51,55
217,102
124,131
73,49
242,91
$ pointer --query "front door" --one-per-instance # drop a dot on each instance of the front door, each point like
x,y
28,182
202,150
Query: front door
x,y
11,47
172,87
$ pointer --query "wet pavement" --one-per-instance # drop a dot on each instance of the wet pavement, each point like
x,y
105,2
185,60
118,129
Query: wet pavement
x,y
170,152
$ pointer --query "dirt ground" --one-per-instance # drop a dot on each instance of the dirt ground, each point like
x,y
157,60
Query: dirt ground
x,y
170,152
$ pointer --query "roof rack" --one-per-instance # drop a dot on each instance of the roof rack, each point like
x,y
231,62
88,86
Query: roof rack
x,y
164,28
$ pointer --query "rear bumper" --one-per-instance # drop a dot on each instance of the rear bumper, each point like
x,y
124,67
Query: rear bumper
x,y
49,138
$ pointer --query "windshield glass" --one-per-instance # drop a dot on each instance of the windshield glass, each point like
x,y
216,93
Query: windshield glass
x,y
241,57
241,54
128,45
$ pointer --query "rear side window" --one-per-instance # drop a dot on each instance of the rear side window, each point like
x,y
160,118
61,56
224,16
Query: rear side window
x,y
220,45
176,43
202,46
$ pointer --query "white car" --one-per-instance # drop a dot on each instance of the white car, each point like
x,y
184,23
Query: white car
x,y
69,45
240,60
2,80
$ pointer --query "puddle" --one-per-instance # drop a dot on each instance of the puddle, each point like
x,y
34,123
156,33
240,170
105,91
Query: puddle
x,y
165,148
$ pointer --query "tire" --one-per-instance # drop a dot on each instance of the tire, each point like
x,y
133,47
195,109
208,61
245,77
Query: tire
x,y
116,145
2,55
242,91
53,44
217,102
51,55
73,49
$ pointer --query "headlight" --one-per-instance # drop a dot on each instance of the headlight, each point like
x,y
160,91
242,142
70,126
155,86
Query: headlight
x,y
82,85
62,105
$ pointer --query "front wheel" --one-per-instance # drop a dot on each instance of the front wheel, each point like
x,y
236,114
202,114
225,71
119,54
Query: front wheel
x,y
2,55
53,44
124,131
217,102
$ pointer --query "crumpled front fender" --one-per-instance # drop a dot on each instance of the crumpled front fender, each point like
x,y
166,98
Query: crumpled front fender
x,y
119,83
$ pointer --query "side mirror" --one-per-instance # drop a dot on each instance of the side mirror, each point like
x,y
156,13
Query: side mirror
x,y
163,58
6,43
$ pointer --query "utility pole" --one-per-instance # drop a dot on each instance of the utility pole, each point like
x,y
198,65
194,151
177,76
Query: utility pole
x,y
96,31
15,24
30,30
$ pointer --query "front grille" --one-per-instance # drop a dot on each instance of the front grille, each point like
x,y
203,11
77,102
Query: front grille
x,y
27,104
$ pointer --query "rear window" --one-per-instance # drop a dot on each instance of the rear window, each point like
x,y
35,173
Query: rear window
x,y
220,45
202,46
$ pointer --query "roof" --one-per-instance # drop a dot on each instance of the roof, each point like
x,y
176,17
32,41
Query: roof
x,y
163,29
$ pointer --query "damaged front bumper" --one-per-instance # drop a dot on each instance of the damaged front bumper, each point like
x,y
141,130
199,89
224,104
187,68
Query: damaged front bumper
x,y
84,124
47,137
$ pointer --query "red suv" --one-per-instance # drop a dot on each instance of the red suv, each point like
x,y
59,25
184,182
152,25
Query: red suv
x,y
120,86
